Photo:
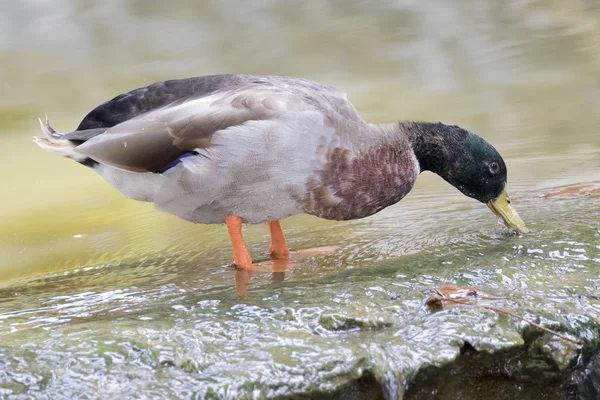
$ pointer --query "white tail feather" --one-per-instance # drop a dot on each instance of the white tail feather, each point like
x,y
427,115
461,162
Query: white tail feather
x,y
49,132
54,142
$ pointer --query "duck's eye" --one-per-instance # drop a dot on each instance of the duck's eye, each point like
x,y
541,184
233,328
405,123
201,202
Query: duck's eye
x,y
494,168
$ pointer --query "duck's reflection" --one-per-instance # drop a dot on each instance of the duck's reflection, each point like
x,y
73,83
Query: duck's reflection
x,y
277,267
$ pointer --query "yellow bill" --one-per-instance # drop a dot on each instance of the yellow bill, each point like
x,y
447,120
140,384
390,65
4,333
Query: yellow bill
x,y
503,209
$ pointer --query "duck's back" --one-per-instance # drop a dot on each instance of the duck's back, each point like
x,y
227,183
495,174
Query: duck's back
x,y
161,94
168,119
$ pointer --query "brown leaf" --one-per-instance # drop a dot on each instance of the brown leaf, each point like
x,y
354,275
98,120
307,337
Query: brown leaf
x,y
447,295
576,191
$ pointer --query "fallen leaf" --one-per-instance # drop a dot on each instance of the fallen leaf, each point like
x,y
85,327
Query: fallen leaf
x,y
447,295
575,191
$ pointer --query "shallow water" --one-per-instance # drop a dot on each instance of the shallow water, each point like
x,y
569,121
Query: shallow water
x,y
102,293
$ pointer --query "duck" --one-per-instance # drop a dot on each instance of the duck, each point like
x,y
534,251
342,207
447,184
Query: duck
x,y
242,149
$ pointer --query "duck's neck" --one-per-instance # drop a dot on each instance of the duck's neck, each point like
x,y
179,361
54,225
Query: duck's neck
x,y
435,145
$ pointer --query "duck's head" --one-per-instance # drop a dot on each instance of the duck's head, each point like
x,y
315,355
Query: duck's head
x,y
468,163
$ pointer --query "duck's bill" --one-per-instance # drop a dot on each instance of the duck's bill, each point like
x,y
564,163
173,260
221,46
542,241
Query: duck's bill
x,y
503,209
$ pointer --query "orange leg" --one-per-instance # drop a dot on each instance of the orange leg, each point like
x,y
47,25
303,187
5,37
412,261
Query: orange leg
x,y
279,247
241,257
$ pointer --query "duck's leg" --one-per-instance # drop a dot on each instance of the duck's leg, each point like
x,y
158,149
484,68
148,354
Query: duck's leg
x,y
241,257
279,247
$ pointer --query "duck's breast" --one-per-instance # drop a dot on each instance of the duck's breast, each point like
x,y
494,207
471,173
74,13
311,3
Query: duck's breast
x,y
356,184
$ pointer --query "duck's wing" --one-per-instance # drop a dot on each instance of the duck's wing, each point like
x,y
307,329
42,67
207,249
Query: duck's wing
x,y
151,127
139,101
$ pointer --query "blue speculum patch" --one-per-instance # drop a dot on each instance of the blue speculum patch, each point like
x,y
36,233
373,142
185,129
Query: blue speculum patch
x,y
176,161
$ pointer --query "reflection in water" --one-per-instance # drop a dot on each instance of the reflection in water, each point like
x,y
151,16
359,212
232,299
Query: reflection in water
x,y
115,295
278,266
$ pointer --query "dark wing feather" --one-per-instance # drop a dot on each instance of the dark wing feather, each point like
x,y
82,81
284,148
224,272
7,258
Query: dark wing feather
x,y
139,101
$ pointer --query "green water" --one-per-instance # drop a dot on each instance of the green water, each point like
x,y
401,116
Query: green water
x,y
102,296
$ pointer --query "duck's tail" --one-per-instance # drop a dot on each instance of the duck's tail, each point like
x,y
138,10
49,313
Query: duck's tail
x,y
55,142
59,143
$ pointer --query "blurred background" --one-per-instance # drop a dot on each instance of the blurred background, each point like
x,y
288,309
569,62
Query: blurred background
x,y
523,74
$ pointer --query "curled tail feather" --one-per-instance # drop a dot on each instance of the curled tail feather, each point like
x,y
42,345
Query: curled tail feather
x,y
49,132
56,142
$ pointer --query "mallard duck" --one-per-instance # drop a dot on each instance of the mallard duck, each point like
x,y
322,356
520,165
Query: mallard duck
x,y
239,149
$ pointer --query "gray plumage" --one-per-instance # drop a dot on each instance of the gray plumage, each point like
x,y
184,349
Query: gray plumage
x,y
259,147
